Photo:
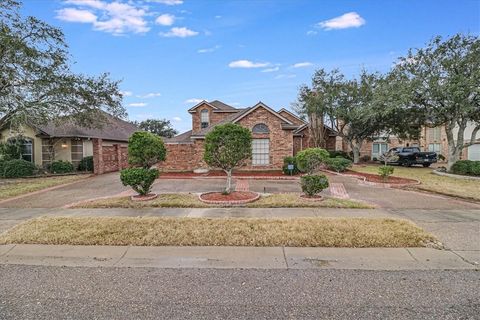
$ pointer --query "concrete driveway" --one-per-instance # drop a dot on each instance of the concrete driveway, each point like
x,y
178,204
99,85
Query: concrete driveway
x,y
108,185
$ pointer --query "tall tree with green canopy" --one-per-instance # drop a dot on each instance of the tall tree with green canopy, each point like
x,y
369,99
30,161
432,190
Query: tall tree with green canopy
x,y
160,127
226,147
442,82
36,83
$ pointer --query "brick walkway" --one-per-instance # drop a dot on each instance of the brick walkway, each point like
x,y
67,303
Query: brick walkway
x,y
241,185
337,190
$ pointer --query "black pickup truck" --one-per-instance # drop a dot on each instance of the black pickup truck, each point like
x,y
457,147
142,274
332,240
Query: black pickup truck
x,y
408,156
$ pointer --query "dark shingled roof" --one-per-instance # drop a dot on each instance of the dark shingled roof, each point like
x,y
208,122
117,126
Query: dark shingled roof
x,y
220,105
113,129
181,138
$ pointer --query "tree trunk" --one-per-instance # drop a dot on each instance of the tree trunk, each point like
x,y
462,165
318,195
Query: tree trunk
x,y
317,130
228,188
356,151
454,147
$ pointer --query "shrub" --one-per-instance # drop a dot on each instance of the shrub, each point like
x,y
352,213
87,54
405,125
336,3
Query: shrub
x,y
365,158
2,167
339,153
145,149
86,164
310,159
313,184
10,150
61,166
475,168
289,161
466,167
338,164
385,172
18,168
226,147
140,179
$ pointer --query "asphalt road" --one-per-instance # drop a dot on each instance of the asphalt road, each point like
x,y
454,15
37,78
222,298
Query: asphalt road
x,y
32,292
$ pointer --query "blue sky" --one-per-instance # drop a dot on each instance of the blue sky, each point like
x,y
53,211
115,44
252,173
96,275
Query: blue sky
x,y
170,53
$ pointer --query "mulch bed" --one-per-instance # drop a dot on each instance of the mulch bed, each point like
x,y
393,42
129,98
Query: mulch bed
x,y
378,179
234,197
311,198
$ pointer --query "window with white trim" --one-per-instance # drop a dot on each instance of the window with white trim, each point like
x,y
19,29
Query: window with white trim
x,y
26,147
260,152
260,128
204,118
435,133
434,147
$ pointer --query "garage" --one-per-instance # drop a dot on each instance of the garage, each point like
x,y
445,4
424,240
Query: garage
x,y
474,152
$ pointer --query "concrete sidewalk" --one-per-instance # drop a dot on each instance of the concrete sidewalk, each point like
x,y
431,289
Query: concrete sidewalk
x,y
235,257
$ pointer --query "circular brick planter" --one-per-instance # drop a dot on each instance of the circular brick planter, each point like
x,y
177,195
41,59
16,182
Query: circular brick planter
x,y
147,197
215,197
314,198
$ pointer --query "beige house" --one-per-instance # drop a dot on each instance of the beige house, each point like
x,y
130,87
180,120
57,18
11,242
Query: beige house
x,y
68,142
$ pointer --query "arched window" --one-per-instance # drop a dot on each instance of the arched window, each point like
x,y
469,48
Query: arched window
x,y
25,145
204,118
260,128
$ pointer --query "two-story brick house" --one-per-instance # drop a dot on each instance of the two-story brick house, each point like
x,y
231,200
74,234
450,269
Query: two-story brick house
x,y
276,135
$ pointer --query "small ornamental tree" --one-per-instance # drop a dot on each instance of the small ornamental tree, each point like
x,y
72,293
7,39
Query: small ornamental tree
x,y
226,147
310,159
145,149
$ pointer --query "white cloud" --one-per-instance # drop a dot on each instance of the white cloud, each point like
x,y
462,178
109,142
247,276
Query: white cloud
x,y
168,2
271,69
177,119
179,32
208,50
302,64
218,17
347,20
247,64
126,93
193,100
112,17
165,19
311,32
285,76
76,15
150,95
137,104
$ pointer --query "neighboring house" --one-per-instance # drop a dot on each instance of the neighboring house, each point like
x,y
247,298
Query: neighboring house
x,y
69,142
276,135
432,139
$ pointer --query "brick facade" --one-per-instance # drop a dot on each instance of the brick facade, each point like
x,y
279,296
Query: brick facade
x,y
109,156
214,117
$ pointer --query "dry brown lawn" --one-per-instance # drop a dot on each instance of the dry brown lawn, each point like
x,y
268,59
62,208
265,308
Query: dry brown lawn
x,y
164,231
468,189
189,200
15,187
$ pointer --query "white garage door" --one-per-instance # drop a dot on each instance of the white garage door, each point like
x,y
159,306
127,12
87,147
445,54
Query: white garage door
x,y
474,152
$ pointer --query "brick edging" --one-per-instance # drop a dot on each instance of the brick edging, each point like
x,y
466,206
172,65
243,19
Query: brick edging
x,y
229,202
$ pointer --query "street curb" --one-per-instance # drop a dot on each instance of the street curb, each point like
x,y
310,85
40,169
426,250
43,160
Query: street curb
x,y
235,257
363,180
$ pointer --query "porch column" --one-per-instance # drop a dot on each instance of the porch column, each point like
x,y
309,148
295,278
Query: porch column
x,y
118,146
98,165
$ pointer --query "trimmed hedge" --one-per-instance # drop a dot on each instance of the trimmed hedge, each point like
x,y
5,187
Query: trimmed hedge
x,y
313,184
466,167
343,154
286,162
18,168
86,164
310,159
140,179
61,166
338,164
